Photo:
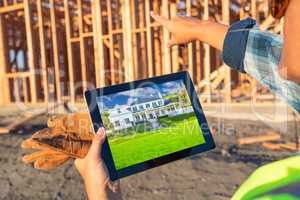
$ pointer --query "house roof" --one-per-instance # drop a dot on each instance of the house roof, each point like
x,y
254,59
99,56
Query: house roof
x,y
140,100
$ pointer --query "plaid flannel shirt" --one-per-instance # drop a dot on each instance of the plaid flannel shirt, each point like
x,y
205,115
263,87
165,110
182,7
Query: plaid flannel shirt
x,y
257,53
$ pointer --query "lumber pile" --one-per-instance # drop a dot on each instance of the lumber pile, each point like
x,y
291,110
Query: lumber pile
x,y
271,141
67,137
259,138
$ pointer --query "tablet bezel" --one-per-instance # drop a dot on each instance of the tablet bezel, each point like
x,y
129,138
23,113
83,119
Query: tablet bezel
x,y
90,97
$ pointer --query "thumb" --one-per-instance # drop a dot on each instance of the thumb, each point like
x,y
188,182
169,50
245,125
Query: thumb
x,y
95,149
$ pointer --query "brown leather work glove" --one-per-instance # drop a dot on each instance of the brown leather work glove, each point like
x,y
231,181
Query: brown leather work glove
x,y
67,137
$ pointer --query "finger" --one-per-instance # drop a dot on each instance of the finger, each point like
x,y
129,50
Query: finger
x,y
39,154
161,20
96,146
45,163
31,144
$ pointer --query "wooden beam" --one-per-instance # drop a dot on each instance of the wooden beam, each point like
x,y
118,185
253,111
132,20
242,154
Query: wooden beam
x,y
55,50
166,50
207,67
259,138
111,43
254,81
227,80
98,44
69,51
25,90
149,39
82,46
175,49
190,45
31,50
127,39
4,85
42,49
11,8
142,47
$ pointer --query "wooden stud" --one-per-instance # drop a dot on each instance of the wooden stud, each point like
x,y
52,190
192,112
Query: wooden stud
x,y
142,43
31,50
254,81
98,44
149,39
190,45
134,38
82,46
227,80
207,59
127,38
166,50
25,90
4,85
55,50
111,43
42,49
69,51
174,50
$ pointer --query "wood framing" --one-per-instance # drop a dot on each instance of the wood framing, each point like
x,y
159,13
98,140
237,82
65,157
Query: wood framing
x,y
5,97
53,50
42,50
227,80
98,44
30,48
69,51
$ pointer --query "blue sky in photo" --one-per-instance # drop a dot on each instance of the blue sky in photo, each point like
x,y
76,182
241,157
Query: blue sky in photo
x,y
131,96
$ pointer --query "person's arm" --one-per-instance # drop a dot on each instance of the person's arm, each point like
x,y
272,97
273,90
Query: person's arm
x,y
94,173
230,40
186,29
290,65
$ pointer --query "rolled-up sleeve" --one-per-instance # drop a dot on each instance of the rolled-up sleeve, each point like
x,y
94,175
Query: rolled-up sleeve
x,y
235,44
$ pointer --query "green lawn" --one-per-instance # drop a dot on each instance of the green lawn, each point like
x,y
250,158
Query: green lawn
x,y
181,132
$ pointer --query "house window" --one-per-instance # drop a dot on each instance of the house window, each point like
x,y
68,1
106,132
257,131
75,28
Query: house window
x,y
161,102
154,104
127,121
144,116
134,108
119,110
147,105
117,123
150,116
141,107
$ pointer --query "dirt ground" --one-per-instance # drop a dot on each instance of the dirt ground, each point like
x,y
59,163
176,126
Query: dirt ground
x,y
210,176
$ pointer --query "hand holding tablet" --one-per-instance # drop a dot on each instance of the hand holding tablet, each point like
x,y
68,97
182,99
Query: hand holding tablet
x,y
149,123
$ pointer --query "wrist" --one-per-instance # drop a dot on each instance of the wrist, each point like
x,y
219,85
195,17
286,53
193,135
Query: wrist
x,y
199,32
96,191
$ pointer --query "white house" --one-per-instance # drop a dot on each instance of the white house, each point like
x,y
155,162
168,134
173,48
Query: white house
x,y
146,109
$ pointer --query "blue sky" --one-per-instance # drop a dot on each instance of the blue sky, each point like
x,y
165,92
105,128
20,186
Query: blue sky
x,y
127,97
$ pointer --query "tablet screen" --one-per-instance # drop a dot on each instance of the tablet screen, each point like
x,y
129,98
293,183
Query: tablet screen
x,y
149,122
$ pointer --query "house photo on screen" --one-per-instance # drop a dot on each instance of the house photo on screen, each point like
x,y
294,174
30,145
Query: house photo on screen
x,y
149,122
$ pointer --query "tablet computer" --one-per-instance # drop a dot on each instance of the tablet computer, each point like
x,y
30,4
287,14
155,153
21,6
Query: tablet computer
x,y
149,123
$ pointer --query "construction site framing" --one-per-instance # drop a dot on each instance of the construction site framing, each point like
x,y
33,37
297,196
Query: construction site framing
x,y
54,50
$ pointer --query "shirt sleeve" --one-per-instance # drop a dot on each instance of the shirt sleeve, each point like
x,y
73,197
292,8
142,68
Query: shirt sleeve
x,y
261,60
235,44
